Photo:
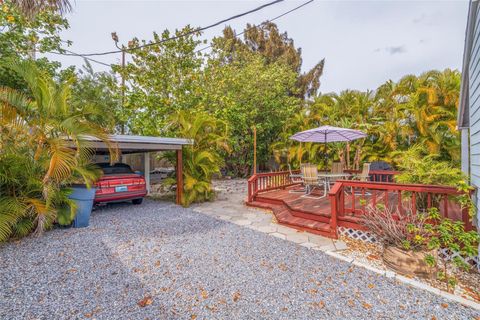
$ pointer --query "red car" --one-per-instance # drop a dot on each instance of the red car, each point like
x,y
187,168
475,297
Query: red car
x,y
119,183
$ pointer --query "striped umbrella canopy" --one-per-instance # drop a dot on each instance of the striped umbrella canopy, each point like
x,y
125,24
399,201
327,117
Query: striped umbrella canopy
x,y
325,134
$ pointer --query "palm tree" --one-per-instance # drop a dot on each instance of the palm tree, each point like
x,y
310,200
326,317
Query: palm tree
x,y
30,8
202,159
44,148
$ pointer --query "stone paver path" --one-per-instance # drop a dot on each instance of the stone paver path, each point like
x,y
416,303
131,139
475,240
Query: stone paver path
x,y
229,206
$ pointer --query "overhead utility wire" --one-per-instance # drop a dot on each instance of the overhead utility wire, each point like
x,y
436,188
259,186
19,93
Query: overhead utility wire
x,y
199,50
180,35
79,55
266,21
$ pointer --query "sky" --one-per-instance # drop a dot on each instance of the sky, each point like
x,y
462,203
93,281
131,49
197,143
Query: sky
x,y
364,43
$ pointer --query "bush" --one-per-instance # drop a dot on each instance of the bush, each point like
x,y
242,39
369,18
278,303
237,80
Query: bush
x,y
424,231
202,159
37,162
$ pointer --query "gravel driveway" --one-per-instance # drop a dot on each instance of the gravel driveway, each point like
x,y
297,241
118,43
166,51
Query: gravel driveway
x,y
160,261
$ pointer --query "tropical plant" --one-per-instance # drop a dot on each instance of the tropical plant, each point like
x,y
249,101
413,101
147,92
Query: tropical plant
x,y
30,8
43,148
275,47
24,38
97,94
419,167
425,231
415,110
202,159
164,77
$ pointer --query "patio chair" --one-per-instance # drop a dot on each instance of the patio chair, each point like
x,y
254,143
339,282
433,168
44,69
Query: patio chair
x,y
337,167
365,174
311,180
296,178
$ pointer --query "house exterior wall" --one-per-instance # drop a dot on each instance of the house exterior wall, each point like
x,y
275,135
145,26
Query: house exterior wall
x,y
474,101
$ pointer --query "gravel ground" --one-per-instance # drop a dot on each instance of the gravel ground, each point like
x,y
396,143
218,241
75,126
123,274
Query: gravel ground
x,y
160,261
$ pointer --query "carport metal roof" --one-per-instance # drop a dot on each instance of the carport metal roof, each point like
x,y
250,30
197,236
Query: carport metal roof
x,y
137,144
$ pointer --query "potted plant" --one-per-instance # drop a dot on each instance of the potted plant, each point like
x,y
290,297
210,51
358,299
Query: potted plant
x,y
411,241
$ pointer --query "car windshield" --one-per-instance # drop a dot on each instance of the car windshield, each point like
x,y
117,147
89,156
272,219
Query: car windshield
x,y
116,169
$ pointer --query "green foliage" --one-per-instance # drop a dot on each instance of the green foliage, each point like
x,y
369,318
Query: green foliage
x,y
243,92
415,110
425,231
163,78
247,93
23,37
266,41
416,167
202,159
37,162
98,95
432,232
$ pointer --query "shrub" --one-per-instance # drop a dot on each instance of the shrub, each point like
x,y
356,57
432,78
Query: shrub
x,y
424,231
202,159
37,161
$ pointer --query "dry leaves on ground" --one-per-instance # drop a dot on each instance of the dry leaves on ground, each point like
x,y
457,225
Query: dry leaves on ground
x,y
146,301
236,296
204,293
367,305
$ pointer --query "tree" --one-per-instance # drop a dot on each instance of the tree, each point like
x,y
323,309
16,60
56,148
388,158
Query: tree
x,y
275,47
98,93
415,110
23,38
31,8
37,161
202,159
247,93
163,78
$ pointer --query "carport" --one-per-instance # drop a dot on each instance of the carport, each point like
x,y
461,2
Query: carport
x,y
128,144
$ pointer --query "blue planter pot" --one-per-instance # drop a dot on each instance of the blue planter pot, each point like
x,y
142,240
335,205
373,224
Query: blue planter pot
x,y
83,197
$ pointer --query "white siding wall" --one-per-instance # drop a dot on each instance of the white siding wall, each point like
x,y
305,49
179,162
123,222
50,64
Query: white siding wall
x,y
474,101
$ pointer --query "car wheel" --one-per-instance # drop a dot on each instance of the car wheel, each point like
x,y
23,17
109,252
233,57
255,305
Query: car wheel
x,y
137,201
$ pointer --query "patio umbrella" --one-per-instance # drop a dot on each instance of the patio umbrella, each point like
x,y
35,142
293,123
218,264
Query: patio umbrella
x,y
325,134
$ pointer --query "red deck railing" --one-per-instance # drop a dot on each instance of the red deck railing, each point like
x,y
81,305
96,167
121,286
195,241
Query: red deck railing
x,y
350,198
262,182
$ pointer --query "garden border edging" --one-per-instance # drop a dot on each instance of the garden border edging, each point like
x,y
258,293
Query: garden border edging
x,y
408,281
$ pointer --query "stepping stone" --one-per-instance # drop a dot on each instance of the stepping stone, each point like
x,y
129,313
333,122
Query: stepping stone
x,y
267,229
243,222
278,235
328,247
308,245
297,237
319,240
286,230
340,245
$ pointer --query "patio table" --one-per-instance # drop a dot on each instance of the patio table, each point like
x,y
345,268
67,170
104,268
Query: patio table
x,y
326,177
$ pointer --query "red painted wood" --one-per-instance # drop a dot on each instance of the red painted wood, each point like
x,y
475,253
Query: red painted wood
x,y
179,177
273,189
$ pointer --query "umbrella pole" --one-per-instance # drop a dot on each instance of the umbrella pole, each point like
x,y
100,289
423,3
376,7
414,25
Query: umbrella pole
x,y
325,160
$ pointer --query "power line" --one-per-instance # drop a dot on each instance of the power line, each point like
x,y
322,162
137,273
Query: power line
x,y
266,21
199,50
183,34
71,53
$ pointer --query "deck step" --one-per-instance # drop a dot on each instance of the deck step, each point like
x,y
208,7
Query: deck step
x,y
285,217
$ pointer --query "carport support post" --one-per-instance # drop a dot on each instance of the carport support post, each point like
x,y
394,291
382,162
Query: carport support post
x,y
146,167
179,176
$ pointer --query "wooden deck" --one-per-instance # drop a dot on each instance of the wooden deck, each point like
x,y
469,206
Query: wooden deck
x,y
346,202
312,213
